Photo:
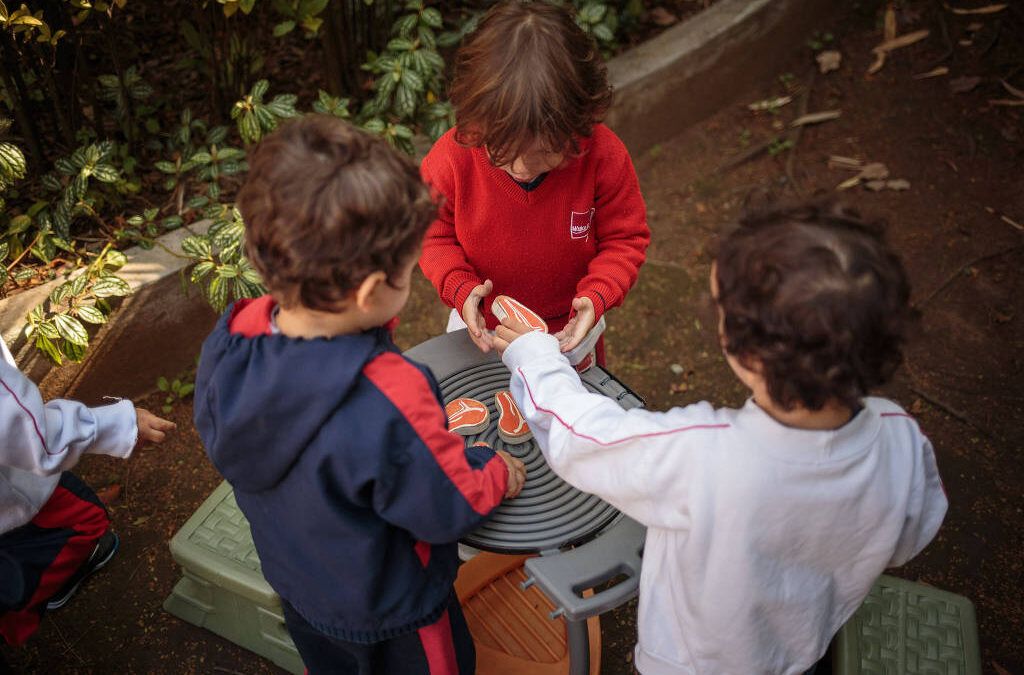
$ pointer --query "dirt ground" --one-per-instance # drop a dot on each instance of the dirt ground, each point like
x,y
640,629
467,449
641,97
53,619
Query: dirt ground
x,y
957,227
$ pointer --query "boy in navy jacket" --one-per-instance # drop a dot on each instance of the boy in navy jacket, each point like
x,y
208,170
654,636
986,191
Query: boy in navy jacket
x,y
336,445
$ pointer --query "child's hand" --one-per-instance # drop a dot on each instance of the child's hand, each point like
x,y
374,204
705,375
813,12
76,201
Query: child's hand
x,y
474,319
579,325
152,429
516,474
506,333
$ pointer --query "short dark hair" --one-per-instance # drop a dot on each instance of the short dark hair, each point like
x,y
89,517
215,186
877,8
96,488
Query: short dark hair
x,y
814,294
528,72
325,205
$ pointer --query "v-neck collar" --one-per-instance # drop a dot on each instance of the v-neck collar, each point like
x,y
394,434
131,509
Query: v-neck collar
x,y
509,185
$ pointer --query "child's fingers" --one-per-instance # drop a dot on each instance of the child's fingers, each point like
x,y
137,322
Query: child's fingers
x,y
154,436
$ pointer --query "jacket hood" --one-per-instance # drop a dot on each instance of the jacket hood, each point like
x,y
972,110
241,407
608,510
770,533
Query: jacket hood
x,y
268,396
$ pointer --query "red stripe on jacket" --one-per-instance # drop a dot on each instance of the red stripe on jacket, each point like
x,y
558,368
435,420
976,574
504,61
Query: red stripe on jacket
x,y
408,390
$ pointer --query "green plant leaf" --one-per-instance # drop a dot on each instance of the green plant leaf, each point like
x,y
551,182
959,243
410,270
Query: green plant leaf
x,y
201,270
196,247
284,28
74,352
283,105
217,293
111,286
49,348
259,89
91,314
432,17
162,384
71,329
604,33
106,173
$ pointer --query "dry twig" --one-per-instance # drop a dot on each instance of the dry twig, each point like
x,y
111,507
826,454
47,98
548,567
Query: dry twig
x,y
967,265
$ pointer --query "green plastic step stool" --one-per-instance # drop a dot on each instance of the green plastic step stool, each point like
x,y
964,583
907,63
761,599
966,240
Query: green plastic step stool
x,y
222,588
909,628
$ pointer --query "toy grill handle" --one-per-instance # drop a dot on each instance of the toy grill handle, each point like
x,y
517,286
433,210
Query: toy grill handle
x,y
615,553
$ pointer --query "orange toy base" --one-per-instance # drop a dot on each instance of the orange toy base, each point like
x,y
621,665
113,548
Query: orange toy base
x,y
511,628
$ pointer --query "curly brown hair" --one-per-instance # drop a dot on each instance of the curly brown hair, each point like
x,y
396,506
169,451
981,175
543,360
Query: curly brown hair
x,y
325,205
814,299
528,73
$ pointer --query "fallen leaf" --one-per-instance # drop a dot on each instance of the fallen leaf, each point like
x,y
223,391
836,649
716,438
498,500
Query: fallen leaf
x,y
917,407
964,84
815,118
109,494
889,30
140,520
1006,101
829,60
898,184
1011,222
987,9
770,103
840,162
965,43
663,17
1013,90
934,72
903,41
1003,317
875,185
676,369
849,183
875,171
975,26
877,65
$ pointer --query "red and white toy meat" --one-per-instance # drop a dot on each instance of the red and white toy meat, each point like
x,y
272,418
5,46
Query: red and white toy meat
x,y
505,307
467,416
512,426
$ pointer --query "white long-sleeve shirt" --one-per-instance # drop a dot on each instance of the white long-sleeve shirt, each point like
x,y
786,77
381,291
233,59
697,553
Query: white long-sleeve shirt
x,y
762,539
38,441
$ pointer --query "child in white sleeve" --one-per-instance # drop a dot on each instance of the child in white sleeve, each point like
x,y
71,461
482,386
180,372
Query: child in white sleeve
x,y
54,530
767,524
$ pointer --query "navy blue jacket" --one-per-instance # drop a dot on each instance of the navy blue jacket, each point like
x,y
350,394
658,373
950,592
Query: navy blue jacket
x,y
340,457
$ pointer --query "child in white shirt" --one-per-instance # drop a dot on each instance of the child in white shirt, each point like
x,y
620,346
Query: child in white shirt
x,y
767,524
54,530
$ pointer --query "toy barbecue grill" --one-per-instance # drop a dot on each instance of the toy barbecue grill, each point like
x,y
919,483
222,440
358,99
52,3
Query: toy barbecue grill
x,y
583,541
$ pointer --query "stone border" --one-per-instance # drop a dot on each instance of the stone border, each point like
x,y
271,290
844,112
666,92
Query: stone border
x,y
695,68
661,87
144,335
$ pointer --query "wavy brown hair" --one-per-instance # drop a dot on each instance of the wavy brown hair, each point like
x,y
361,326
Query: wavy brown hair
x,y
528,73
813,296
325,205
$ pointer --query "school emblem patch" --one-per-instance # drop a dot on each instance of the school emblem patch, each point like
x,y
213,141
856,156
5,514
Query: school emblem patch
x,y
579,224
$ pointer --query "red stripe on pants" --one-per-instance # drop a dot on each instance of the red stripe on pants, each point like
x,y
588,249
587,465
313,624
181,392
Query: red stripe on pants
x,y
64,510
438,646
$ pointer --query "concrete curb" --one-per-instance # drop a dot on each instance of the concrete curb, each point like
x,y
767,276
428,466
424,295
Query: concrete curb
x,y
144,336
697,67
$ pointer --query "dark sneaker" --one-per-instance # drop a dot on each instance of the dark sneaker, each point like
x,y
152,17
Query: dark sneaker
x,y
105,549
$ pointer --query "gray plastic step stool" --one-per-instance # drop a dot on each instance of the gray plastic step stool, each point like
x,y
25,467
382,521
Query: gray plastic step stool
x,y
222,588
904,628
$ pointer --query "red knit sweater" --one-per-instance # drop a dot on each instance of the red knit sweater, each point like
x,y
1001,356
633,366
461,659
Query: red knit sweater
x,y
582,233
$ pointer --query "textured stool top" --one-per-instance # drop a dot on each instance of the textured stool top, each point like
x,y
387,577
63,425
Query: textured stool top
x,y
225,532
909,628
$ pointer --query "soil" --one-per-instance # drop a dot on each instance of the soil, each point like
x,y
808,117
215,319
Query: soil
x,y
957,228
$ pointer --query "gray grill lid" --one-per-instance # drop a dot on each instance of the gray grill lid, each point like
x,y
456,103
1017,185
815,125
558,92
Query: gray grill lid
x,y
549,513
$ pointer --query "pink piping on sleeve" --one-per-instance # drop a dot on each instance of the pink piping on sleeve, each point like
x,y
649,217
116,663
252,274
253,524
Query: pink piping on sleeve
x,y
618,440
32,417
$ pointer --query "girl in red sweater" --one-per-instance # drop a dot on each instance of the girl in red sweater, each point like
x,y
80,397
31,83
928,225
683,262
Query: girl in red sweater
x,y
540,200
